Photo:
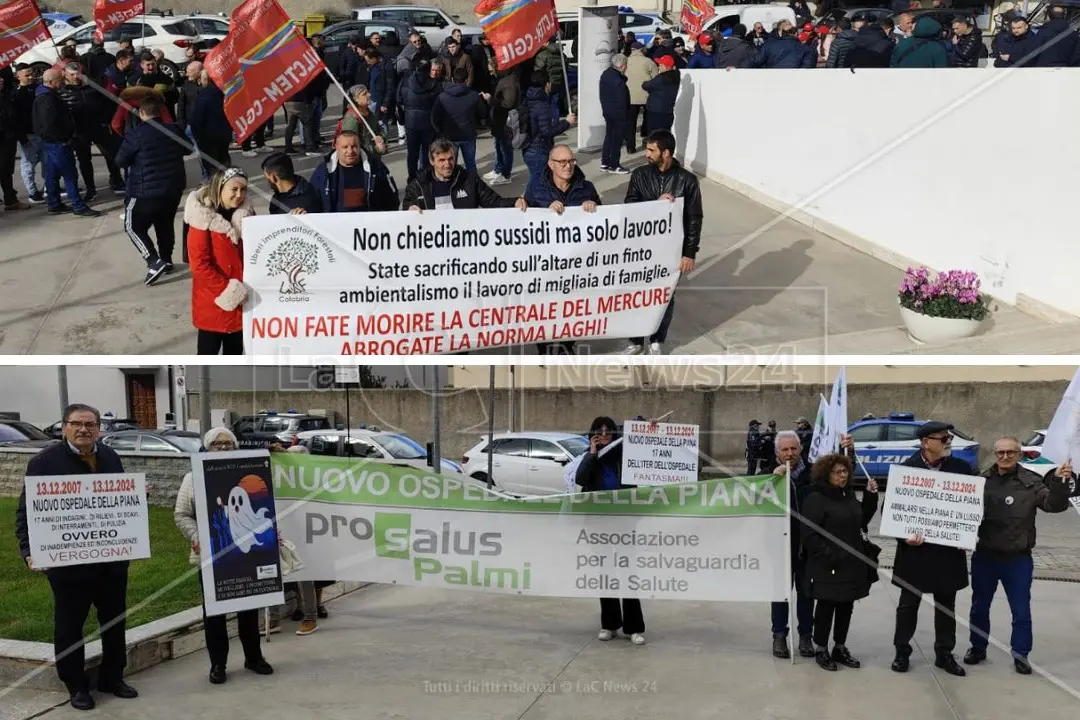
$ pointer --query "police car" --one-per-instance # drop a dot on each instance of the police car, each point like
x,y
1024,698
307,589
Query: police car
x,y
881,442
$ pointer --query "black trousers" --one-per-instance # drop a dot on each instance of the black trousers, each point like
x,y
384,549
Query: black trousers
x,y
614,136
158,213
108,145
8,145
84,159
632,133
300,112
660,336
659,120
907,618
72,597
216,632
833,616
214,152
214,343
625,614
259,136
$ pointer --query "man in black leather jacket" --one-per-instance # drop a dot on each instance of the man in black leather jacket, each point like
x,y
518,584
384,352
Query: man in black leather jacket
x,y
663,178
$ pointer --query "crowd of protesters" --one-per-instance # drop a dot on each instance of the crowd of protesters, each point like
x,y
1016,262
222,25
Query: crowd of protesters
x,y
904,40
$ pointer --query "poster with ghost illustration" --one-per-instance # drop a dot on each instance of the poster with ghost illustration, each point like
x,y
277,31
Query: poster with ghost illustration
x,y
238,536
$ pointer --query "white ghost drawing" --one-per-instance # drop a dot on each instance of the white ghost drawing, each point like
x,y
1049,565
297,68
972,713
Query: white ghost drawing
x,y
244,522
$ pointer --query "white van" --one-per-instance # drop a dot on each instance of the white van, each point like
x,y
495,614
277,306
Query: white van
x,y
730,15
435,23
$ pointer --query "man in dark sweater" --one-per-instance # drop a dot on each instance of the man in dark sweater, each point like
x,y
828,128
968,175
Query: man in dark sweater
x,y
54,124
76,587
154,158
457,115
292,193
9,140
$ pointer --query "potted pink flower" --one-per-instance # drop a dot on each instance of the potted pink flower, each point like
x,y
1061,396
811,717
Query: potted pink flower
x,y
941,307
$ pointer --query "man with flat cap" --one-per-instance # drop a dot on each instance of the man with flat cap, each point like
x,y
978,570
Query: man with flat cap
x,y
928,568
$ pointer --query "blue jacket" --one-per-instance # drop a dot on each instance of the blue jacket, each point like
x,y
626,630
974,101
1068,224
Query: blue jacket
x,y
541,191
1064,52
382,192
614,95
543,128
701,60
785,52
457,112
155,161
207,118
662,89
416,101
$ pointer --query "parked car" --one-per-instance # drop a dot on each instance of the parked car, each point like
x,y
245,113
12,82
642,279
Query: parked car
x,y
172,35
158,441
730,15
371,445
435,23
16,433
1032,449
643,25
268,427
109,424
60,22
210,26
881,442
394,37
525,463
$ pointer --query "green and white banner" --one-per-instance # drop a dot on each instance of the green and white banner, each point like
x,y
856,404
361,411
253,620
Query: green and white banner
x,y
723,540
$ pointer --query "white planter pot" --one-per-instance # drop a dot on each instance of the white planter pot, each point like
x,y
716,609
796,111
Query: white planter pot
x,y
924,329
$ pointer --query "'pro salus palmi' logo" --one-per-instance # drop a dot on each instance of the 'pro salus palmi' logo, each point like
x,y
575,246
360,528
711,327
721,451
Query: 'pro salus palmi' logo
x,y
430,552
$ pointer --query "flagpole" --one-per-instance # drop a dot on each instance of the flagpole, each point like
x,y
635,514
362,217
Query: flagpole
x,y
565,75
349,100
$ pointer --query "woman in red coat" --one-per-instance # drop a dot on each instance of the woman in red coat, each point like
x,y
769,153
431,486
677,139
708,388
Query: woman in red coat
x,y
214,214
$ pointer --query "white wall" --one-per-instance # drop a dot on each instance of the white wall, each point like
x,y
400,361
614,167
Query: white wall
x,y
35,392
970,169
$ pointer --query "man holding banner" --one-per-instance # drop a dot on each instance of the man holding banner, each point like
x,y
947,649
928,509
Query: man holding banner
x,y
930,568
76,587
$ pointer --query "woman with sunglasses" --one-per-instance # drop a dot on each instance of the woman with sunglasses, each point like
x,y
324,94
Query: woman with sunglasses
x,y
834,521
604,472
927,568
215,628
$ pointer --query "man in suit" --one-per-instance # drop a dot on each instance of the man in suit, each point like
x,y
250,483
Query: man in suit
x,y
76,587
928,568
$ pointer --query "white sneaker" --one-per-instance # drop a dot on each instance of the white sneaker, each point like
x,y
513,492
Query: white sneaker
x,y
249,153
632,349
656,349
265,149
490,176
620,170
605,635
637,639
605,168
499,180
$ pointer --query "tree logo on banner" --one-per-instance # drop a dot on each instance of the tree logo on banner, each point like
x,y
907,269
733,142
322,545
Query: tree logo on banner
x,y
295,258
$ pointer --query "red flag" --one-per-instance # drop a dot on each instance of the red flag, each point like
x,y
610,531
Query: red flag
x,y
517,29
110,13
695,13
260,64
21,28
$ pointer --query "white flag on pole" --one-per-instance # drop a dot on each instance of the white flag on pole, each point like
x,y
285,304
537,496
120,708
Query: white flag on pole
x,y
821,444
838,408
1062,442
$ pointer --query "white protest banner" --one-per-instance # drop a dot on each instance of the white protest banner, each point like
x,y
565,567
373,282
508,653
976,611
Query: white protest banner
x,y
945,508
821,444
238,535
405,283
597,41
92,518
659,453
723,540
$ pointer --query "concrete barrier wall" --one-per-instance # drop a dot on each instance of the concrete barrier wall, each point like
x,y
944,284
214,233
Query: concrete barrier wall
x,y
948,168
983,410
163,472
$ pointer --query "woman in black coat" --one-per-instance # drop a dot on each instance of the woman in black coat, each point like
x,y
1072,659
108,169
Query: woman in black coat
x,y
604,472
833,524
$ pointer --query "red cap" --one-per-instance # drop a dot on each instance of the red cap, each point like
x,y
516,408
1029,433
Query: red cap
x,y
665,61
808,27
704,39
822,29
805,36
